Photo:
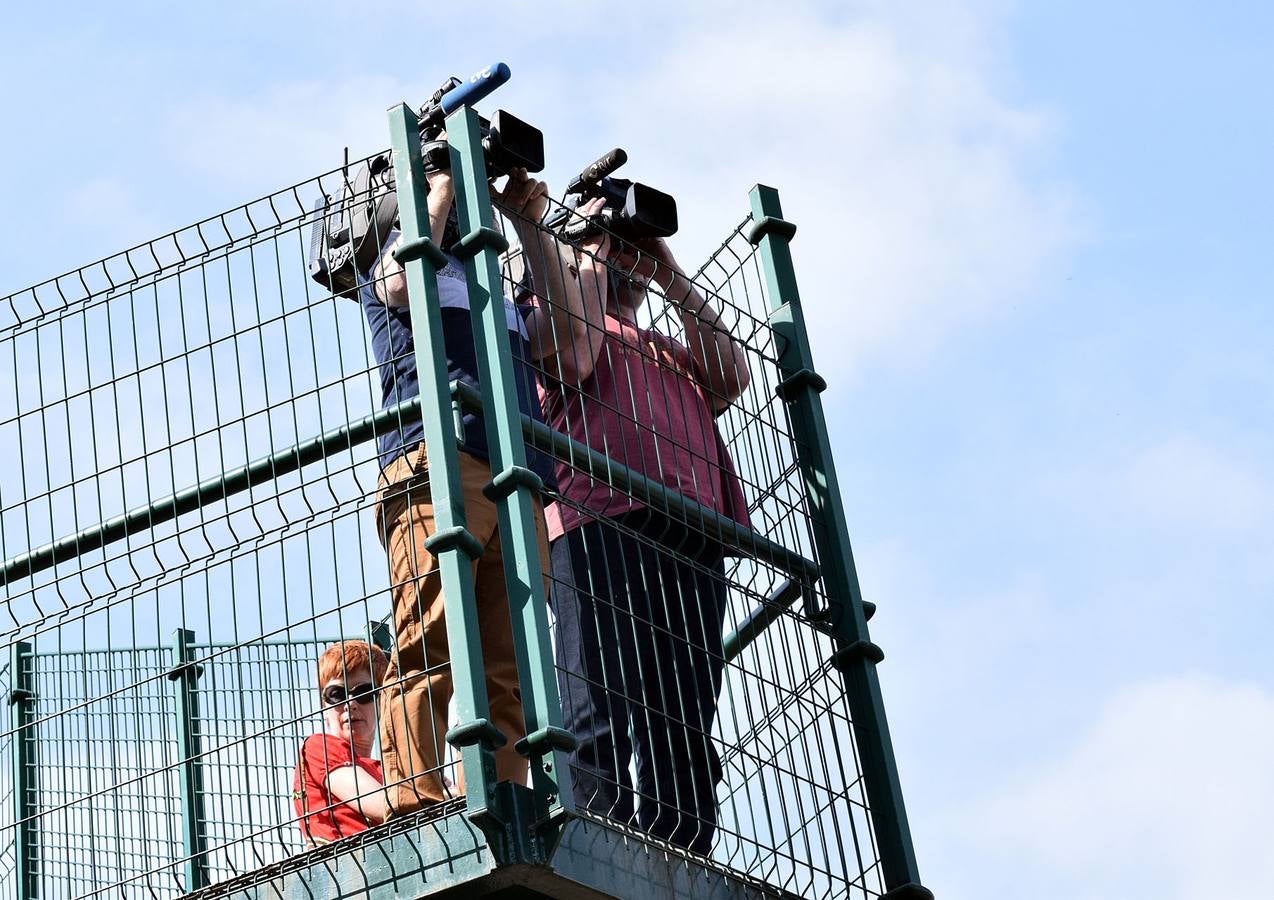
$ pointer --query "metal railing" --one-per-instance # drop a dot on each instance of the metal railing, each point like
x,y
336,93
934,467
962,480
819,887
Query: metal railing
x,y
194,504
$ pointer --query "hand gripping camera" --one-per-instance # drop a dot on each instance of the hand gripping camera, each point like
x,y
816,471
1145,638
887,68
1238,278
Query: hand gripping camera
x,y
350,229
632,210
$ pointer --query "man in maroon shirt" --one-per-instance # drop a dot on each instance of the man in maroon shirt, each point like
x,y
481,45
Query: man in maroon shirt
x,y
639,596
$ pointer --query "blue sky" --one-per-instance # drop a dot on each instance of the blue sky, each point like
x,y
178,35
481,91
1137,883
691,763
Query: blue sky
x,y
1034,252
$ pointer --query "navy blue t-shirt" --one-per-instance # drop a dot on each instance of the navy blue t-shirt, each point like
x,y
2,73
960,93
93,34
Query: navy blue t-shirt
x,y
395,352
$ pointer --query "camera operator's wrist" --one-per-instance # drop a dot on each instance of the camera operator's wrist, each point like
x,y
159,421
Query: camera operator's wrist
x,y
442,178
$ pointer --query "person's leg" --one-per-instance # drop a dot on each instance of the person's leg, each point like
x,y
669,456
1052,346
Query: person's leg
x,y
638,617
702,655
417,695
504,691
595,666
657,744
414,705
686,591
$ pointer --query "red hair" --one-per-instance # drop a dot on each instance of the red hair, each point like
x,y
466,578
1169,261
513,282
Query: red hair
x,y
344,657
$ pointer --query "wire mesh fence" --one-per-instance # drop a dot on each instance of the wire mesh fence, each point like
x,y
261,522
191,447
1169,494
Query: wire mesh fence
x,y
192,423
147,383
107,762
8,800
104,764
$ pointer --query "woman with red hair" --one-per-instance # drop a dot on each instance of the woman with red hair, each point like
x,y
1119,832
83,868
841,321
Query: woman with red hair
x,y
338,787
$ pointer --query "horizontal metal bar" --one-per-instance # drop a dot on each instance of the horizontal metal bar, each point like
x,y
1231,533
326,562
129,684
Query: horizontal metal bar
x,y
369,427
652,493
774,605
210,491
153,648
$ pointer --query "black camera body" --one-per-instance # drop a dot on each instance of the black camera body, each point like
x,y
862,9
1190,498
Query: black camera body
x,y
631,210
507,143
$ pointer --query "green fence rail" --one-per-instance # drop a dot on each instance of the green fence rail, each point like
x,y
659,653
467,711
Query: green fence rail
x,y
193,513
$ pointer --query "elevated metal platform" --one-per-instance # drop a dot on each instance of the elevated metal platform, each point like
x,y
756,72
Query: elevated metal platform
x,y
448,858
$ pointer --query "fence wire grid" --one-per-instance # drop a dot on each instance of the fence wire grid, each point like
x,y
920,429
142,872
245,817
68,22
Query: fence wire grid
x,y
147,390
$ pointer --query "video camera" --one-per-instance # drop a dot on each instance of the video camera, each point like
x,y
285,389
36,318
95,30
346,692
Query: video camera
x,y
632,210
350,229
507,141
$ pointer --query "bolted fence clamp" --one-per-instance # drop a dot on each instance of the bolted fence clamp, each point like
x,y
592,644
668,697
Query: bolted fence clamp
x,y
478,240
800,380
477,731
509,481
767,225
420,248
537,743
451,538
20,695
846,656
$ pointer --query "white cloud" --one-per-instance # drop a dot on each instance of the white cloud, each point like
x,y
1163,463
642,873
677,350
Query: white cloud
x,y
1183,482
909,178
1167,795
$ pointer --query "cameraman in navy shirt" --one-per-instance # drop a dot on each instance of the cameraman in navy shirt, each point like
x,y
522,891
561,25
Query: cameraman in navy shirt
x,y
414,716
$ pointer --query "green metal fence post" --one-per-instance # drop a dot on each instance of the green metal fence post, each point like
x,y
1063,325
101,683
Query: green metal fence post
x,y
452,544
514,487
185,674
26,839
855,656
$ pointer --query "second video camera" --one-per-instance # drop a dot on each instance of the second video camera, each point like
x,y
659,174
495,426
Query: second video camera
x,y
632,210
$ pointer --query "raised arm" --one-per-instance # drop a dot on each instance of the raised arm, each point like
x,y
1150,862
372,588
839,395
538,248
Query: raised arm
x,y
721,365
575,363
389,279
566,327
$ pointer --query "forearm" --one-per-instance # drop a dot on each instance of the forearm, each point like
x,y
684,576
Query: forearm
x,y
558,285
388,276
569,341
374,807
550,262
590,332
359,790
720,359
442,193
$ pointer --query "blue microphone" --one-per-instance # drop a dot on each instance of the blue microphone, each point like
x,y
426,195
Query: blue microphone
x,y
457,93
477,87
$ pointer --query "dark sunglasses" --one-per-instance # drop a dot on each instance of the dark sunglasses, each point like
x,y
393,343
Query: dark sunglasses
x,y
359,693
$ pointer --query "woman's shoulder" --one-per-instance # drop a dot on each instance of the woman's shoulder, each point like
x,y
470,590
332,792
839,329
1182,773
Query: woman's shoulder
x,y
325,751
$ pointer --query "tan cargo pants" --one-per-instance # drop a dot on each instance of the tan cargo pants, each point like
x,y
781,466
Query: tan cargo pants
x,y
413,708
